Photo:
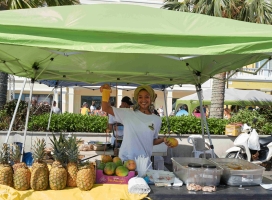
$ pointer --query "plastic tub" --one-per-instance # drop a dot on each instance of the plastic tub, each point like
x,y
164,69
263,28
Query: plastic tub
x,y
239,172
180,167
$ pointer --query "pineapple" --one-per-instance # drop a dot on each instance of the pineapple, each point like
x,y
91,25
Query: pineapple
x,y
58,174
72,153
85,177
40,172
21,176
6,172
93,172
16,157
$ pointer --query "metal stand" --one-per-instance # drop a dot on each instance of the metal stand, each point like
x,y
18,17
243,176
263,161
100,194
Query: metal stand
x,y
27,116
15,112
203,119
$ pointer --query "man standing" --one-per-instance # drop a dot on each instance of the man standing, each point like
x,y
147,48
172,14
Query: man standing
x,y
55,109
115,127
92,107
161,112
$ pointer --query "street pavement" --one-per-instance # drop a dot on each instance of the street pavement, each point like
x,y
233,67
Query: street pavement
x,y
268,174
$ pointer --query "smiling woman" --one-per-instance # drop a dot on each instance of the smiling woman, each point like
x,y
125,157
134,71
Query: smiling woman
x,y
141,126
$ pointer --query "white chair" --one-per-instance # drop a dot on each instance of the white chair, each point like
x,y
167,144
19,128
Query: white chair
x,y
200,150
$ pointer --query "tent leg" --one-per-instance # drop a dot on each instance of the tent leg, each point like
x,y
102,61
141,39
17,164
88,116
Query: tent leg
x,y
166,112
61,99
27,117
203,119
49,120
15,112
167,118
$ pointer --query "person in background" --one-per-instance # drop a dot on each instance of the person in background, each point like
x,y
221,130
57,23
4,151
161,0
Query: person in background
x,y
161,112
197,113
182,111
141,126
55,109
207,113
227,114
85,109
116,127
92,108
156,110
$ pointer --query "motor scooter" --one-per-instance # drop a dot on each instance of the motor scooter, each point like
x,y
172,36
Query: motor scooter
x,y
242,151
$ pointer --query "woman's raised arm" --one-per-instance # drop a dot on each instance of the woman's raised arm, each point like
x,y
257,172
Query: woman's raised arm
x,y
106,107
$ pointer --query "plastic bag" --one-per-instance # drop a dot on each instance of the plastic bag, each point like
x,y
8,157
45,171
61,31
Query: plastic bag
x,y
253,140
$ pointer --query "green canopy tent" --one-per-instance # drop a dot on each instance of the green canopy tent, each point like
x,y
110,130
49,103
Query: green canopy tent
x,y
126,43
232,97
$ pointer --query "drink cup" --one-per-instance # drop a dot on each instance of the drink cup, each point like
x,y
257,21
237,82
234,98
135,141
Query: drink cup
x,y
141,173
106,95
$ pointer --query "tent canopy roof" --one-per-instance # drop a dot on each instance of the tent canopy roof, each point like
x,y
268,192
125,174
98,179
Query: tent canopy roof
x,y
126,43
125,86
232,97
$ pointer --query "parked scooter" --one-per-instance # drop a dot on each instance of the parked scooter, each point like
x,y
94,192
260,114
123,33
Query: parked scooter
x,y
243,149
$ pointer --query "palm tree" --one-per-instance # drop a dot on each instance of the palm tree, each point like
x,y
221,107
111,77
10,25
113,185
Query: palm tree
x,y
255,11
21,4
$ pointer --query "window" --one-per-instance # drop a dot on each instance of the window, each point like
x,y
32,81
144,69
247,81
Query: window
x,y
38,97
96,99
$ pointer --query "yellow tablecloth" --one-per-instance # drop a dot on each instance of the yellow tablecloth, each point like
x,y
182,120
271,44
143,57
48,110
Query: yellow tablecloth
x,y
98,192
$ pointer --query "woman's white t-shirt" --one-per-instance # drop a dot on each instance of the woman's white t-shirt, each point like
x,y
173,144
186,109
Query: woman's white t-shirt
x,y
140,130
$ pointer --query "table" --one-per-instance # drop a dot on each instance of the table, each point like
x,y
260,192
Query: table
x,y
223,193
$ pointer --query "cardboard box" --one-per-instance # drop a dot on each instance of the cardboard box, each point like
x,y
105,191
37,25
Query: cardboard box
x,y
232,130
101,178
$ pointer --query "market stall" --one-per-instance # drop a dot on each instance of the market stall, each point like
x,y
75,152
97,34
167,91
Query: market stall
x,y
123,43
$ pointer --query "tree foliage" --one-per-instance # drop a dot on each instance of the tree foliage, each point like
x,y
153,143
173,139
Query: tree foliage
x,y
255,11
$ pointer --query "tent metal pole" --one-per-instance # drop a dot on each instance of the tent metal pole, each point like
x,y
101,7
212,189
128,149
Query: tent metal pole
x,y
27,117
49,121
166,112
167,117
15,111
61,99
203,119
201,109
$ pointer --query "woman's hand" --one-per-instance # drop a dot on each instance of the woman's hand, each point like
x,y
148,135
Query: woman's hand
x,y
166,142
105,86
171,142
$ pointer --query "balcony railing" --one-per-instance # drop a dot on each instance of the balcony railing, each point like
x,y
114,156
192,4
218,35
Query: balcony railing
x,y
252,74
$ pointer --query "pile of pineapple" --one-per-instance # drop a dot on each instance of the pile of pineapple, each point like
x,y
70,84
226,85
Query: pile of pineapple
x,y
65,170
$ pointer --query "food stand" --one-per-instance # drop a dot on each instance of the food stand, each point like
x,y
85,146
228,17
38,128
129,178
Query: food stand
x,y
113,191
133,44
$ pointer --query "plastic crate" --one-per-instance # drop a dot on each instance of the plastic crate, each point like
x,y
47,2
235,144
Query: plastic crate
x,y
101,178
180,167
238,172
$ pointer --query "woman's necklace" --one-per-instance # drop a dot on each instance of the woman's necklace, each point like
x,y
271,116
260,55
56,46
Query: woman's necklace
x,y
145,111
